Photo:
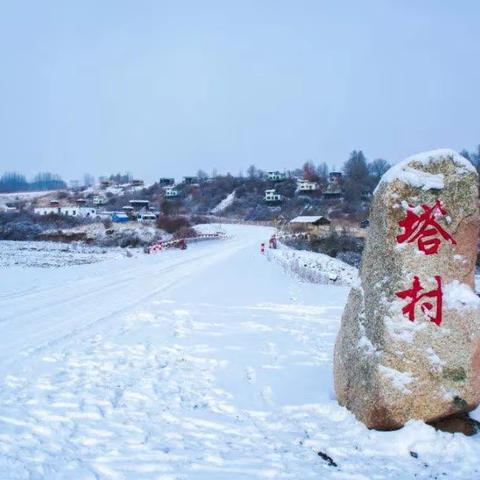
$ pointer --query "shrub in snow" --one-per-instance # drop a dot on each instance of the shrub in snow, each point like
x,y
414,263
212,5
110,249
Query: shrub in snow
x,y
26,226
332,244
128,237
172,224
352,258
185,232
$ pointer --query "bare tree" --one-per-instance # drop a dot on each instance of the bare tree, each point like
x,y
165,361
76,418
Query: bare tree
x,y
309,172
377,168
356,176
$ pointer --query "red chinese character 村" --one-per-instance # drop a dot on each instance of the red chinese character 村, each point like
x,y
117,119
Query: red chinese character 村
x,y
424,228
423,299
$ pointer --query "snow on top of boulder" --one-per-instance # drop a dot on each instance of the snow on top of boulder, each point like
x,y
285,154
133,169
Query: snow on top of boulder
x,y
404,172
459,295
438,155
413,177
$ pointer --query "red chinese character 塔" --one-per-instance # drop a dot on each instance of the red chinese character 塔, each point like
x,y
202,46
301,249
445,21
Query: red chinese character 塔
x,y
425,305
424,228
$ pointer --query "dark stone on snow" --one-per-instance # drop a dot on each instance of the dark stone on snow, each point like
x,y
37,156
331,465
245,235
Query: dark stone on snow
x,y
328,459
461,423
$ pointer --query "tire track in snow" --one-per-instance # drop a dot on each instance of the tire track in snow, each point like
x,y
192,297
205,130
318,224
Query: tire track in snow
x,y
194,263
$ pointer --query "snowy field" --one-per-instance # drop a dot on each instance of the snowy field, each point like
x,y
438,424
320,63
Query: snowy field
x,y
50,254
205,364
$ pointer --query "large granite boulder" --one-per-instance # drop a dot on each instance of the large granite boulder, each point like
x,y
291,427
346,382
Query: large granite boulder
x,y
409,342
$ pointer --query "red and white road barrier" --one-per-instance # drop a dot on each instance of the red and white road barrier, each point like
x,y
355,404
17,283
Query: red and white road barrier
x,y
182,242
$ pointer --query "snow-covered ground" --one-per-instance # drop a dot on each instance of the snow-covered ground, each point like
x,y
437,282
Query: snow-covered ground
x,y
314,267
208,364
50,254
145,233
6,198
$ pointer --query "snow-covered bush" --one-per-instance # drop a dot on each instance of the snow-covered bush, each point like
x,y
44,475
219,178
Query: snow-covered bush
x,y
172,224
27,226
333,245
127,237
352,258
185,232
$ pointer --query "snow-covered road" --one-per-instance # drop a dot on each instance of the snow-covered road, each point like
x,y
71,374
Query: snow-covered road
x,y
208,364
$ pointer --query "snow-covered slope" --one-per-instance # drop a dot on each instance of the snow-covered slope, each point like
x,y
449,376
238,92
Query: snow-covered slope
x,y
204,364
225,203
314,267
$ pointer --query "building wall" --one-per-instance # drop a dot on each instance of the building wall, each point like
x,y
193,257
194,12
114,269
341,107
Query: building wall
x,y
275,176
307,186
171,193
67,211
272,196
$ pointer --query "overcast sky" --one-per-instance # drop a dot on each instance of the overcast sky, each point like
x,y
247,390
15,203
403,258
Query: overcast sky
x,y
163,88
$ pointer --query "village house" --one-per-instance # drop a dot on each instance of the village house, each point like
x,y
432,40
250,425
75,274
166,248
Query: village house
x,y
106,183
190,180
306,186
129,210
276,176
314,224
137,183
335,177
334,187
69,211
171,192
272,196
139,205
99,200
166,182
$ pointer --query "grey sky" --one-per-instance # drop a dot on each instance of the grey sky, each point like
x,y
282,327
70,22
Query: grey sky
x,y
167,87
